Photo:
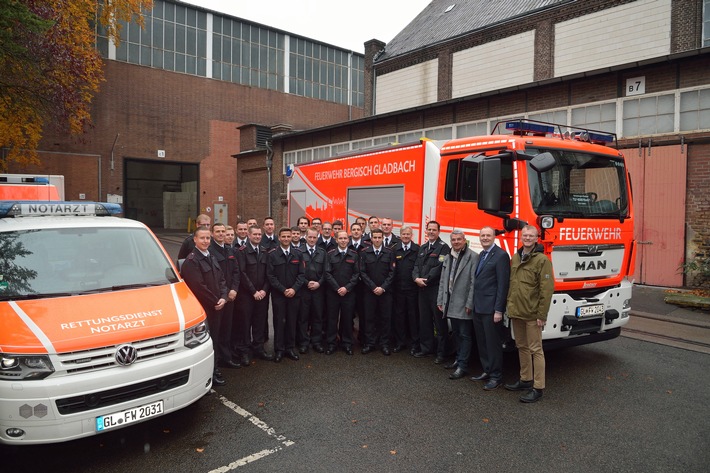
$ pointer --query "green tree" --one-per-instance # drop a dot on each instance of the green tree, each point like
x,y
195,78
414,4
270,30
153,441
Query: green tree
x,y
50,67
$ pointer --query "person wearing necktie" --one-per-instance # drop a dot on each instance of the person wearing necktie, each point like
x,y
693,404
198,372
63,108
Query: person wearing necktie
x,y
358,243
286,276
205,279
405,316
269,240
455,299
342,276
390,239
255,287
377,265
225,257
490,292
426,273
311,314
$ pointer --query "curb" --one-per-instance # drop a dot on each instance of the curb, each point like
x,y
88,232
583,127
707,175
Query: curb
x,y
693,323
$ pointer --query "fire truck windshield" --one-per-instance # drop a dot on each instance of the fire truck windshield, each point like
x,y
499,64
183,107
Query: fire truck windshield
x,y
580,185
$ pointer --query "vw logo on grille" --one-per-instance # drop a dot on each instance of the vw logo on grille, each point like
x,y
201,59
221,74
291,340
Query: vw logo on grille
x,y
126,355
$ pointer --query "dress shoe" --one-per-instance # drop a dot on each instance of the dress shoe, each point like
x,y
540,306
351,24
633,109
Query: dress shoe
x,y
421,354
386,351
439,360
348,351
451,366
318,348
245,361
458,374
279,356
492,384
533,395
330,350
398,348
413,352
230,364
266,356
303,349
292,354
218,381
367,349
481,377
519,385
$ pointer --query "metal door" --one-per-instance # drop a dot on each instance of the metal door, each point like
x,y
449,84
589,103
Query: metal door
x,y
658,178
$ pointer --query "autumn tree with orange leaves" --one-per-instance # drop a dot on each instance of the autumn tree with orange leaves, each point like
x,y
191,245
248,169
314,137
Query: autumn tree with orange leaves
x,y
49,66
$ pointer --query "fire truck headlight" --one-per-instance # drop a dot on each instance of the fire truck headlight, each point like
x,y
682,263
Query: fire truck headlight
x,y
546,221
627,304
197,335
25,367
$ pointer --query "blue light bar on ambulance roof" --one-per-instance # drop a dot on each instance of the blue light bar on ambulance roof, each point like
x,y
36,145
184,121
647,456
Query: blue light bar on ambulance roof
x,y
31,208
594,137
24,180
527,127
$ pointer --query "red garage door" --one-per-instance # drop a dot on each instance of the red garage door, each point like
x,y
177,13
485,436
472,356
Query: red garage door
x,y
658,178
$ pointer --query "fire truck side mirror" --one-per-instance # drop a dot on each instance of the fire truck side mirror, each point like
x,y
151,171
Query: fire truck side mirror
x,y
489,179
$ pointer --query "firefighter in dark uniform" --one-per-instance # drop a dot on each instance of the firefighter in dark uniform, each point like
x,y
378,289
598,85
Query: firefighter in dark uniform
x,y
358,244
254,285
205,279
342,278
405,317
377,266
225,257
188,244
311,315
426,273
389,238
285,272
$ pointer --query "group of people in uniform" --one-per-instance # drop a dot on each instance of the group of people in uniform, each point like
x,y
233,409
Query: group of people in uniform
x,y
429,300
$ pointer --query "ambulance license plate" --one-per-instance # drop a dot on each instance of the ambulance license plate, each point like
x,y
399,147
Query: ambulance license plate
x,y
119,419
590,310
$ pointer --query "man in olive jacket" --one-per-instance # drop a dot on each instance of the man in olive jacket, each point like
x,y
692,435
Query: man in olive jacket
x,y
531,288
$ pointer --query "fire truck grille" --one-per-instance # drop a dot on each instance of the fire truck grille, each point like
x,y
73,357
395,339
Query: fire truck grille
x,y
86,402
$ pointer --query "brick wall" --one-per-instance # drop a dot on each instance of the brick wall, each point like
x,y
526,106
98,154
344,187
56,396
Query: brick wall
x,y
697,211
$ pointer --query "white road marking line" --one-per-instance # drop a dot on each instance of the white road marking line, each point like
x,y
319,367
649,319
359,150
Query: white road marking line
x,y
259,423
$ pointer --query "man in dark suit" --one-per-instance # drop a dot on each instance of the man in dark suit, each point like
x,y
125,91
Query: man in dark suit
x,y
204,277
286,276
342,276
326,240
490,290
389,238
377,264
202,220
426,274
311,318
405,318
225,257
255,287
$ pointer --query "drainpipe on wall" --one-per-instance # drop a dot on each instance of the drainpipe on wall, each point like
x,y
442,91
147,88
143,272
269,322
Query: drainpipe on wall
x,y
269,163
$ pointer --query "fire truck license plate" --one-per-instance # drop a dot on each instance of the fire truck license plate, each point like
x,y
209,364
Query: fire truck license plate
x,y
127,417
590,310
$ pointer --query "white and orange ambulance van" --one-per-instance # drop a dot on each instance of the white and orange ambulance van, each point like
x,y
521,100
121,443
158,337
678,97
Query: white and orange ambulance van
x,y
97,330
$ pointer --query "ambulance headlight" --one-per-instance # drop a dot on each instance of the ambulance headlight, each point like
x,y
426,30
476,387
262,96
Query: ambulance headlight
x,y
25,367
197,335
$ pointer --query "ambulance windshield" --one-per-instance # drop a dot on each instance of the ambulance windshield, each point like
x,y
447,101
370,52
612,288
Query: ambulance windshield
x,y
69,261
580,185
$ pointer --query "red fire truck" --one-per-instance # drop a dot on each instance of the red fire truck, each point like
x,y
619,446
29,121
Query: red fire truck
x,y
569,182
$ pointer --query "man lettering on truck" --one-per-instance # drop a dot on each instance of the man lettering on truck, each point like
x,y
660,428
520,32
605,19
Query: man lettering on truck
x,y
529,296
204,277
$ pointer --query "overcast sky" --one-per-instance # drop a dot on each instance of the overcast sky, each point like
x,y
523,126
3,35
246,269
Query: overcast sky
x,y
346,24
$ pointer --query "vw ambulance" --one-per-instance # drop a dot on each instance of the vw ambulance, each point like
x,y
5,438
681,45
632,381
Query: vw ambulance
x,y
97,330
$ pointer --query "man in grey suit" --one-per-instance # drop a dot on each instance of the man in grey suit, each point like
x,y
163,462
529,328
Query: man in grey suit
x,y
490,290
455,298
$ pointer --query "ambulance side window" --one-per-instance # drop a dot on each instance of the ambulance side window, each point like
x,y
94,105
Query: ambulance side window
x,y
461,181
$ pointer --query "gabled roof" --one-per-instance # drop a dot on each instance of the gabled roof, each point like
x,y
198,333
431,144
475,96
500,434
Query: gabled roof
x,y
435,24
